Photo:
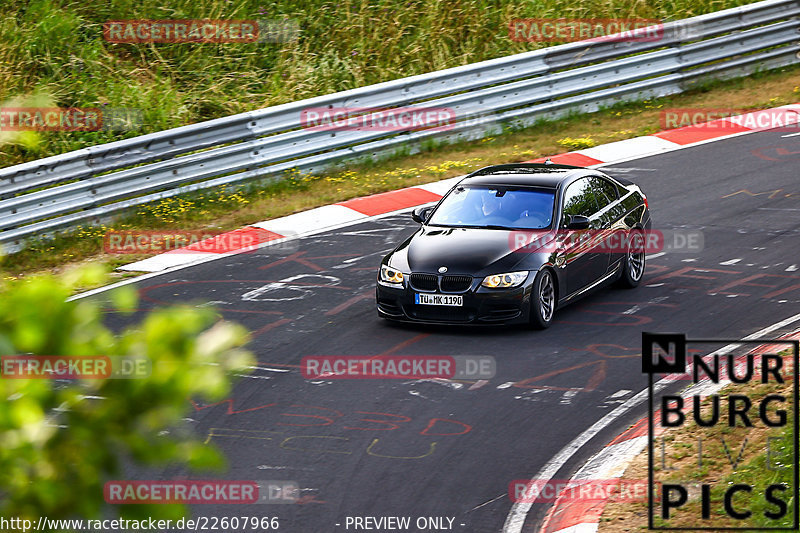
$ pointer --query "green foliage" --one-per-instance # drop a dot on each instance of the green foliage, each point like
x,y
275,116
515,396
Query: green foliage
x,y
58,447
768,468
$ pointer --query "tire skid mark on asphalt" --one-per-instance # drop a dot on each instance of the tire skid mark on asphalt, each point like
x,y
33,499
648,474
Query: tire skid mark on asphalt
x,y
270,326
350,302
596,378
298,257
275,435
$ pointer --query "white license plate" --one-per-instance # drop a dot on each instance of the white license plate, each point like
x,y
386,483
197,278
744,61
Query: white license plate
x,y
452,300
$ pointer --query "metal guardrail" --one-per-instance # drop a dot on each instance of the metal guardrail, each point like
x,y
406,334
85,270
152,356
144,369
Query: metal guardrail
x,y
87,185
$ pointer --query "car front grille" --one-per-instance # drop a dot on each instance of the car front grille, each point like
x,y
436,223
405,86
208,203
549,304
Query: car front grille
x,y
432,283
455,283
424,282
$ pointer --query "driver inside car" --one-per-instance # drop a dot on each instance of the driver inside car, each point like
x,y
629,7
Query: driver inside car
x,y
490,205
535,214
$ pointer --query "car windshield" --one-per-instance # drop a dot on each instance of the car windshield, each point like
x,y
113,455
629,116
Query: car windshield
x,y
495,207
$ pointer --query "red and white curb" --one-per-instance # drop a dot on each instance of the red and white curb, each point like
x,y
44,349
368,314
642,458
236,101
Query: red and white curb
x,y
571,515
357,210
315,220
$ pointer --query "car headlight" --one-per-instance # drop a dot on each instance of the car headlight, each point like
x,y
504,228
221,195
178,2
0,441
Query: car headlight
x,y
504,281
390,275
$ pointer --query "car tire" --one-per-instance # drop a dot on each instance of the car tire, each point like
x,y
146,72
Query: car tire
x,y
635,261
544,299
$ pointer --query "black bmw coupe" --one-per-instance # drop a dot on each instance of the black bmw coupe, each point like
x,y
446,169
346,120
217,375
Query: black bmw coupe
x,y
513,243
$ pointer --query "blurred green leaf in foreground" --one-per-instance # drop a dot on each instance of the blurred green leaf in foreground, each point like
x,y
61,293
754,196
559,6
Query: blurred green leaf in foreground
x,y
58,447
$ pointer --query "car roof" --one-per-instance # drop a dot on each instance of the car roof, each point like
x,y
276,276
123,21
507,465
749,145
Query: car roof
x,y
526,175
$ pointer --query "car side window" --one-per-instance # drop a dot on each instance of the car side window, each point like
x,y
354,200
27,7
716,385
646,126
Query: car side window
x,y
579,199
606,192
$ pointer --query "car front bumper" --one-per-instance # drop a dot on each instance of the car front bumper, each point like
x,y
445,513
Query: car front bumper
x,y
480,305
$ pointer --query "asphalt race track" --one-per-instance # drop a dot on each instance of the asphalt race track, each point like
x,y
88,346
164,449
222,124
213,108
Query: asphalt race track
x,y
450,449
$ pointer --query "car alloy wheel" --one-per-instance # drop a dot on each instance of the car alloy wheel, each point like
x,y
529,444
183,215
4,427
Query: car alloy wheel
x,y
543,299
633,269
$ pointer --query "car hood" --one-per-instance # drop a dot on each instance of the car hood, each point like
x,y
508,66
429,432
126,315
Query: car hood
x,y
462,250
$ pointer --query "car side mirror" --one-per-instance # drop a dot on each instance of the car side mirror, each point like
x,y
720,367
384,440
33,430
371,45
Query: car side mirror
x,y
420,214
578,222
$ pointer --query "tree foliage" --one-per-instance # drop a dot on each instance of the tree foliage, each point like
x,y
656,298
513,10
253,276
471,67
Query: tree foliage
x,y
60,440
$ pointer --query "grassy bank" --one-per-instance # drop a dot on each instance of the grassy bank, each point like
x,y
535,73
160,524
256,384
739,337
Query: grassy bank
x,y
54,52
